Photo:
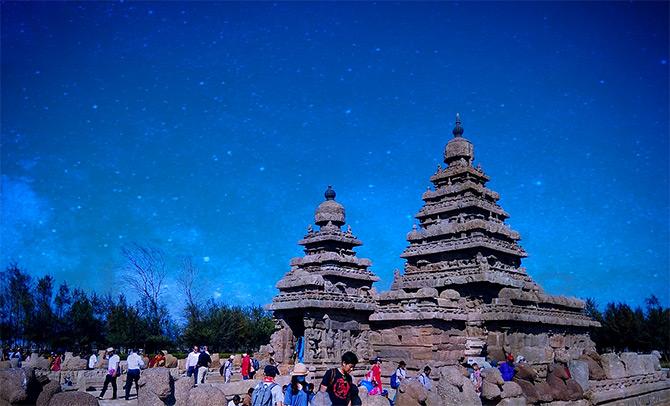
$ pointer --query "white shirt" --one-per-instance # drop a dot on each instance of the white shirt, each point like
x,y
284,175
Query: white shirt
x,y
425,381
135,361
92,360
192,359
400,374
231,403
114,362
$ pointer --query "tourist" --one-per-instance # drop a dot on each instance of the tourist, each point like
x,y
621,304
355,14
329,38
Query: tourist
x,y
227,369
192,364
112,373
56,363
267,392
158,360
204,361
255,366
398,376
246,366
476,377
135,362
507,368
337,382
376,377
236,401
297,394
246,400
274,364
425,378
92,360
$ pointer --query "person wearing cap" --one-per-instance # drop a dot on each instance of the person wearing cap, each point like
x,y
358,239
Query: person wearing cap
x,y
267,392
507,368
227,369
112,373
297,394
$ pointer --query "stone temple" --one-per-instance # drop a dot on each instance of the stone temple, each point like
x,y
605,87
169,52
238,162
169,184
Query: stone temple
x,y
463,293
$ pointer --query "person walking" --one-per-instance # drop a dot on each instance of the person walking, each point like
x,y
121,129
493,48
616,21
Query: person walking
x,y
267,392
227,369
337,382
112,373
135,363
398,376
297,393
192,364
425,378
204,361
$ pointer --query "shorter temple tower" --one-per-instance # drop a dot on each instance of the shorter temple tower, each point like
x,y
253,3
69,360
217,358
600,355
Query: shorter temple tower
x,y
326,299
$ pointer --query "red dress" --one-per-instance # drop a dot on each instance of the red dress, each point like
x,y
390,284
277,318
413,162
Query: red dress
x,y
246,366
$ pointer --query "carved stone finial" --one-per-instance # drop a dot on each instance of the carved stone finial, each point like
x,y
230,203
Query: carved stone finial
x,y
330,193
458,130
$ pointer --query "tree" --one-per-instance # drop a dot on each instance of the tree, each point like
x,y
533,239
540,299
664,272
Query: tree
x,y
17,304
42,322
146,271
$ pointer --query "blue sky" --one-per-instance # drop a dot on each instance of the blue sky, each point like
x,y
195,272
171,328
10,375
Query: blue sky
x,y
212,129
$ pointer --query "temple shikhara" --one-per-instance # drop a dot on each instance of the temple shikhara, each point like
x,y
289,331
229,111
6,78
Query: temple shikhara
x,y
463,294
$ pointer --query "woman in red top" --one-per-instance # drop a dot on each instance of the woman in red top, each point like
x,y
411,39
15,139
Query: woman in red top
x,y
55,365
246,366
376,377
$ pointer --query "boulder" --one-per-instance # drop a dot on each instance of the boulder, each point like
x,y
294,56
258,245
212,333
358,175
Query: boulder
x,y
156,387
90,378
575,391
561,355
492,375
73,363
170,361
529,391
182,387
73,398
544,392
648,363
452,375
559,390
453,388
613,367
490,391
5,365
519,401
558,371
526,372
19,385
206,395
38,362
410,393
579,371
242,387
511,390
48,391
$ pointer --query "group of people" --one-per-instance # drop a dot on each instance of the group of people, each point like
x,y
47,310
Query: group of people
x,y
134,366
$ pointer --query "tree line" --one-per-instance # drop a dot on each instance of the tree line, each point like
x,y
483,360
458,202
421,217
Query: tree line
x,y
631,329
35,313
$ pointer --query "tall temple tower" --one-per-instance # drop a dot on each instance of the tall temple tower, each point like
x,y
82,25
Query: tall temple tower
x,y
325,300
464,292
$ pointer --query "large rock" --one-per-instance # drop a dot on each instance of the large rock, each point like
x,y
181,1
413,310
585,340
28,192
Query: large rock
x,y
492,375
73,398
206,395
490,390
73,363
561,355
48,391
90,378
38,362
511,390
575,391
648,362
518,401
529,391
579,371
410,393
544,392
559,390
526,372
5,365
182,387
19,385
171,361
242,387
612,366
156,387
453,388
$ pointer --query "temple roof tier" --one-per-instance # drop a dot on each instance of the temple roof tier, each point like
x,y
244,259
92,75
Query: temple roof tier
x,y
330,256
316,299
445,228
447,278
443,175
459,204
330,235
458,188
437,247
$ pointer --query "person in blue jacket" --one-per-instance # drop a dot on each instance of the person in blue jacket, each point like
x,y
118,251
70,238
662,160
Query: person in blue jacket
x,y
507,368
297,393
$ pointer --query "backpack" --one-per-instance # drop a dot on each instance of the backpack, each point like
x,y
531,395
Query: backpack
x,y
262,395
395,383
255,364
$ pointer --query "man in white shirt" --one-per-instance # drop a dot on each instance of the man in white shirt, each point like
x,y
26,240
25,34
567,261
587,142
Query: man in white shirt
x,y
112,373
92,360
425,378
135,362
192,362
227,369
